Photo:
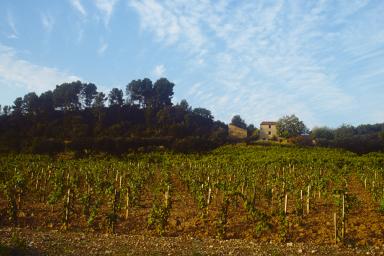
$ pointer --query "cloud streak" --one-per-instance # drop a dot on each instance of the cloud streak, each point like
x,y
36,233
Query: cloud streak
x,y
159,71
106,7
171,24
16,71
103,47
12,26
77,5
47,21
275,57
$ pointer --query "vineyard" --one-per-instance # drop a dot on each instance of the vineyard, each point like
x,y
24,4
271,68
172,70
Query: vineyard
x,y
274,193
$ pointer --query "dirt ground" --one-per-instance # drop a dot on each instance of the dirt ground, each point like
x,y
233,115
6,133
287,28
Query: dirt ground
x,y
40,230
54,242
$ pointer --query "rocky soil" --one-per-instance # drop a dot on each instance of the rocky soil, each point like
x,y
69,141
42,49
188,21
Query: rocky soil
x,y
54,242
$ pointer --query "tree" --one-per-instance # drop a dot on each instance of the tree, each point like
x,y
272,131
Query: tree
x,y
6,110
322,133
115,97
46,102
381,135
88,93
252,131
31,103
238,121
184,105
290,126
205,113
66,96
147,95
140,91
369,129
98,105
99,101
17,106
344,131
162,93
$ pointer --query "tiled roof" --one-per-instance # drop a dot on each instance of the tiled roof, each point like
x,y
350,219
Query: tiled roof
x,y
236,127
268,123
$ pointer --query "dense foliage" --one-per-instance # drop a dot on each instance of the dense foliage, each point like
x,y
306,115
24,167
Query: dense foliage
x,y
74,116
360,139
290,126
238,121
77,117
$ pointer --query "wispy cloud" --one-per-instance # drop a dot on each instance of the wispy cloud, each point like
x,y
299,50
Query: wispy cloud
x,y
47,21
77,5
103,47
158,19
195,90
13,34
106,7
172,23
266,59
16,71
159,70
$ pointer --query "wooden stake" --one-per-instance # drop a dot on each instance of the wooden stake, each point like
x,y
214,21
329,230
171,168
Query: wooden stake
x,y
19,199
114,209
37,182
335,226
343,219
66,220
209,196
285,204
127,203
301,201
308,199
167,197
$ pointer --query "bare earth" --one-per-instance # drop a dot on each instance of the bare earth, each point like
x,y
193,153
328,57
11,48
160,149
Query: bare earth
x,y
75,243
40,232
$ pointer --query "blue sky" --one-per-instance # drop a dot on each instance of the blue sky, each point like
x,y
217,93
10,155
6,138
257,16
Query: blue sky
x,y
320,60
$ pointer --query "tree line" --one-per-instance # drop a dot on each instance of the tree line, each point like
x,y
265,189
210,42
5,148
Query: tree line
x,y
77,95
361,139
76,116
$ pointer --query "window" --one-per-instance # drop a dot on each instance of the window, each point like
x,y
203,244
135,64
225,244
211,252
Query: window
x,y
269,133
269,126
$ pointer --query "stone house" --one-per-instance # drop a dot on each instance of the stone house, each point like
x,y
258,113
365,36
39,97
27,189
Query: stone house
x,y
236,132
268,130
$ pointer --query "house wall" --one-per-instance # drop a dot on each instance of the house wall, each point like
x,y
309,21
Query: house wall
x,y
268,131
236,132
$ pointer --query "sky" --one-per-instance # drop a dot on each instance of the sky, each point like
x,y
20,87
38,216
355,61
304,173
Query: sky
x,y
320,60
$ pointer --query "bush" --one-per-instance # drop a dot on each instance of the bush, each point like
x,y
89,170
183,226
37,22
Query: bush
x,y
47,146
81,144
193,144
302,140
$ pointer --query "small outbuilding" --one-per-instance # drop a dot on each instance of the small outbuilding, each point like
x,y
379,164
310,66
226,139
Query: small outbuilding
x,y
268,130
236,132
